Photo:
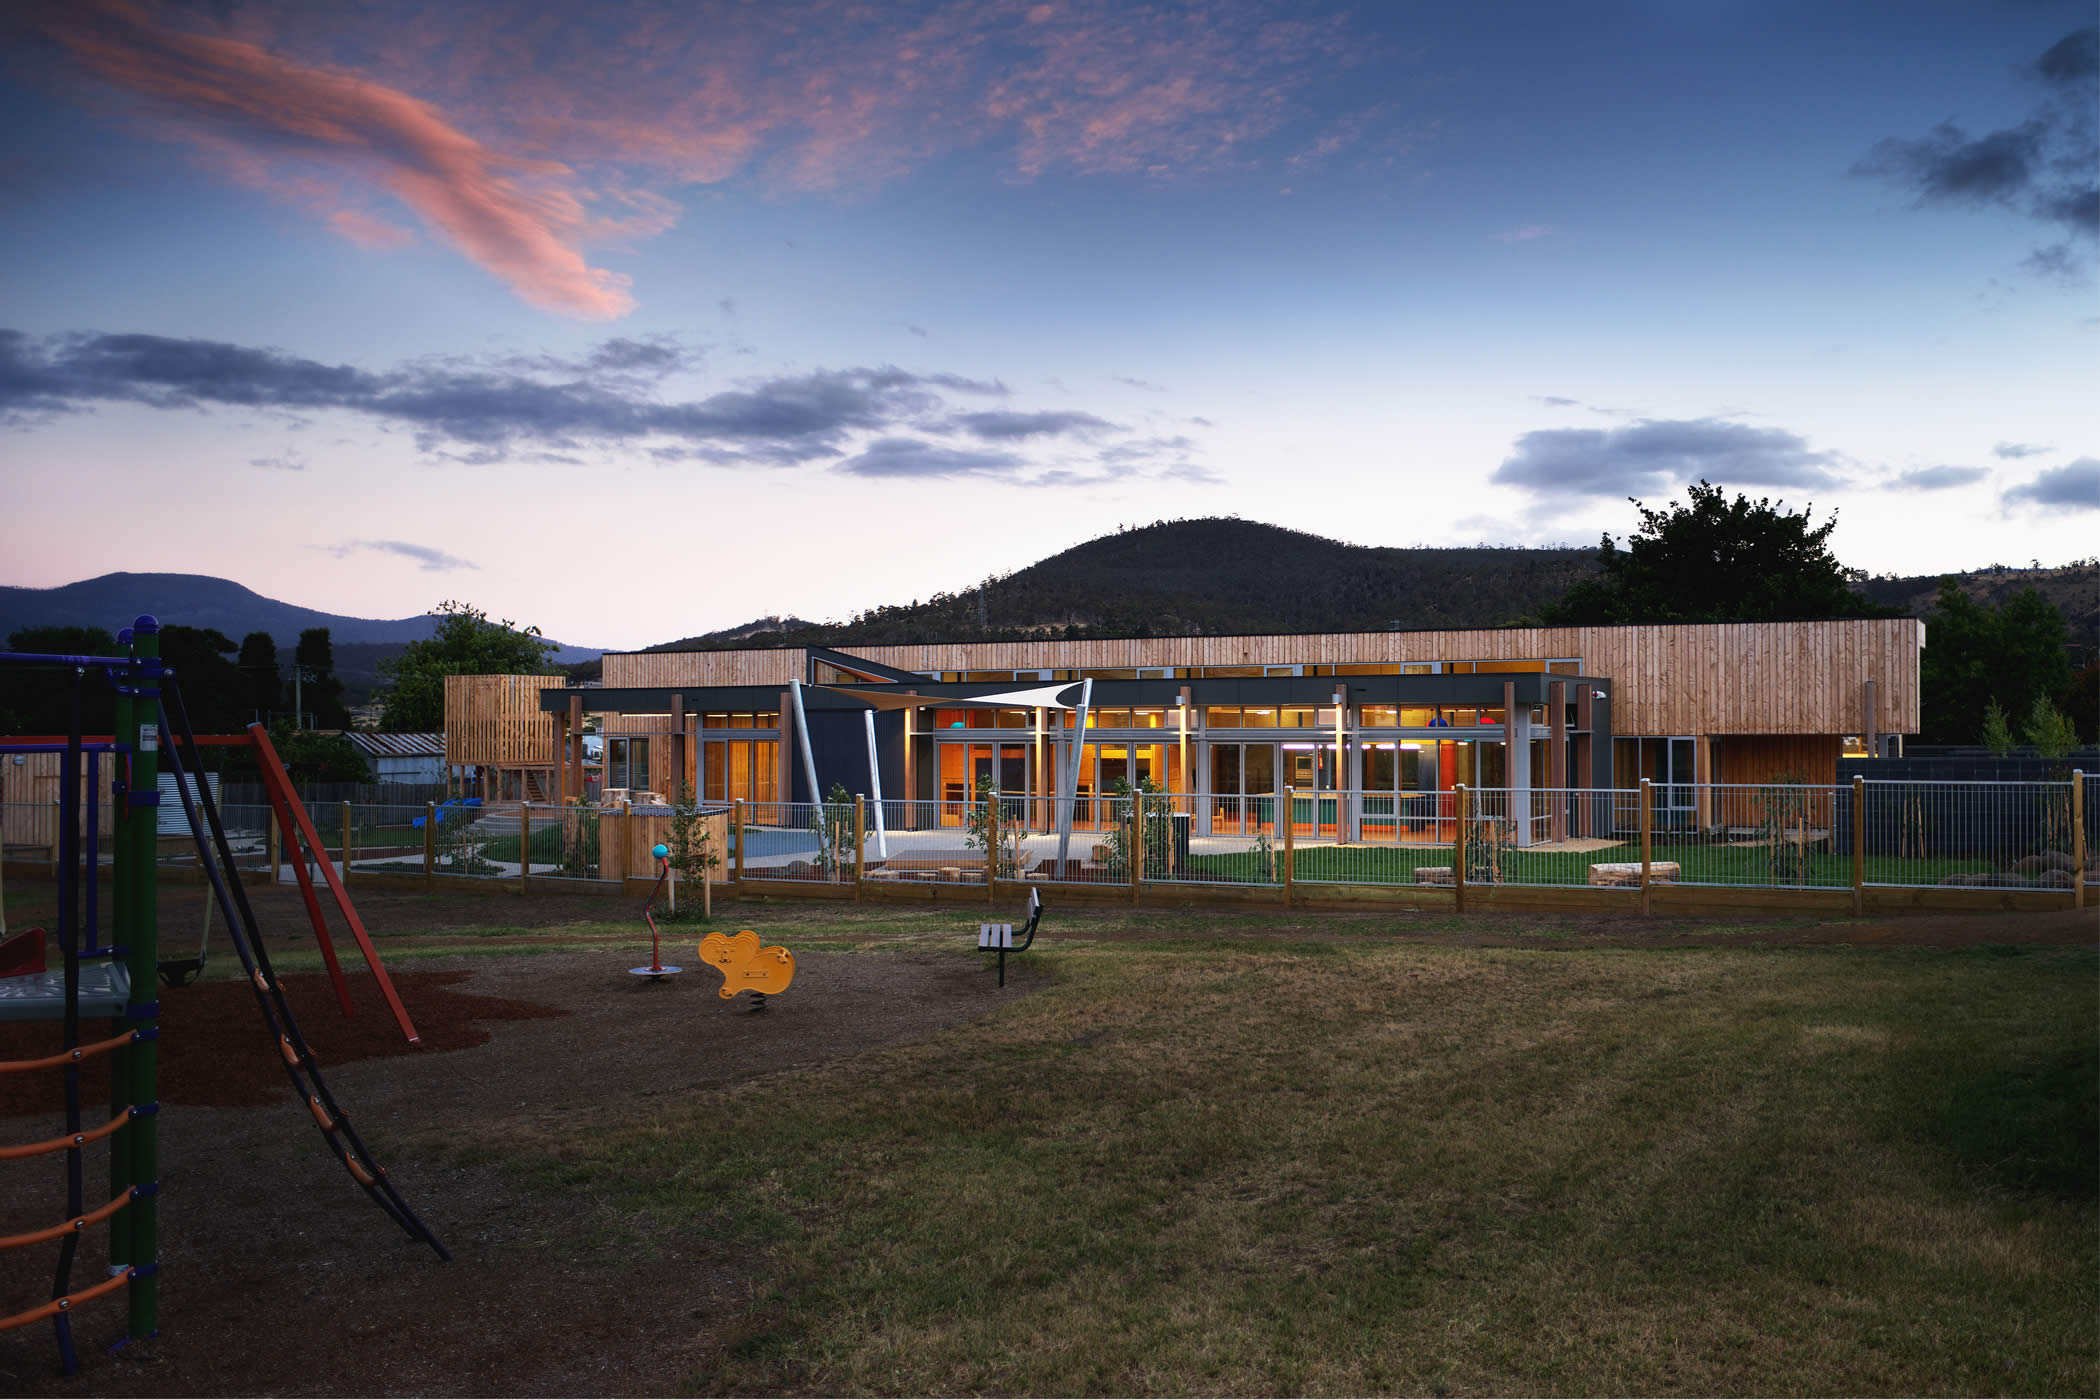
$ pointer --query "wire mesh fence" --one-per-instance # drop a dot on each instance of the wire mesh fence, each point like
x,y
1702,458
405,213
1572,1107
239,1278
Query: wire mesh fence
x,y
1887,833
2006,835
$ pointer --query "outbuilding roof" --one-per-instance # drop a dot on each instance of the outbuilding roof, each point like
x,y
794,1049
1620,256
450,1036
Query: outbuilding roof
x,y
376,745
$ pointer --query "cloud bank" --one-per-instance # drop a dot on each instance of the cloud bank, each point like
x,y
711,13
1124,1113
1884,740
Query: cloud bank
x,y
1655,455
2043,168
611,398
2073,486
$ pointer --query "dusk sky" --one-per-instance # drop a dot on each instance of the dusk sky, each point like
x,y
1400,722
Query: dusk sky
x,y
638,319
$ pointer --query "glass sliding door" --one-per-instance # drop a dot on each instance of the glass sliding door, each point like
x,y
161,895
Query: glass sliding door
x,y
1242,788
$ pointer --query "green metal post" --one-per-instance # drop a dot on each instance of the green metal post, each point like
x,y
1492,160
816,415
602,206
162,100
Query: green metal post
x,y
124,883
141,937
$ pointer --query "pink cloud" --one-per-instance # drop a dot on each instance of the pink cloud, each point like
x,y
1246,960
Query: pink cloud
x,y
368,232
513,216
578,110
1528,233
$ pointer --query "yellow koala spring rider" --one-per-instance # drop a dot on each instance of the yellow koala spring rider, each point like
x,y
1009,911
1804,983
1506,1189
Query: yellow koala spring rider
x,y
746,967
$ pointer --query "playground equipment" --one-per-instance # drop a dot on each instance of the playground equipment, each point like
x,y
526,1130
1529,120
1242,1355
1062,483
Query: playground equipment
x,y
1000,937
103,981
656,971
746,967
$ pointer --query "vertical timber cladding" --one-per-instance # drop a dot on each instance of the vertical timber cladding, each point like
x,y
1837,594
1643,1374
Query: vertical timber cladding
x,y
1702,678
496,722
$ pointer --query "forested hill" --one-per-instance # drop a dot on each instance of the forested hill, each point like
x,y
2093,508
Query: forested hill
x,y
1189,577
1221,576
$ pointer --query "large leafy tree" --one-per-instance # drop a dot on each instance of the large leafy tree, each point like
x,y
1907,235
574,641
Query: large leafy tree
x,y
39,700
1716,560
214,692
258,663
320,691
465,643
1975,653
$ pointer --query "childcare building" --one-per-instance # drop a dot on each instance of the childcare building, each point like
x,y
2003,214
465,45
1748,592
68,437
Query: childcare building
x,y
1386,722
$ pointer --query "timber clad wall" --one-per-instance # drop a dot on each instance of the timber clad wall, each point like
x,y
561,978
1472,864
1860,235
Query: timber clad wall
x,y
495,721
1726,678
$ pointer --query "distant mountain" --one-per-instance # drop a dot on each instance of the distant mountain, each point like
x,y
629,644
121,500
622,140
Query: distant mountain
x,y
200,600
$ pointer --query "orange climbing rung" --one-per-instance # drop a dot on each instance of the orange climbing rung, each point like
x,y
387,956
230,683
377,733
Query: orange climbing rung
x,y
73,1226
69,1057
364,1178
60,1144
284,1048
313,1104
67,1303
261,983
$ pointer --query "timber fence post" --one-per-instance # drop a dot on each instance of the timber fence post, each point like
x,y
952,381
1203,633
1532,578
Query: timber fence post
x,y
430,829
1458,848
1647,841
860,816
738,854
1287,817
524,845
346,845
1137,843
2078,845
1859,844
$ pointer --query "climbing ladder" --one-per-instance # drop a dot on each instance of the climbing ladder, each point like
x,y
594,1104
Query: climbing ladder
x,y
103,981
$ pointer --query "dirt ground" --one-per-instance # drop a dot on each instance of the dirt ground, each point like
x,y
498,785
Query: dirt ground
x,y
281,1278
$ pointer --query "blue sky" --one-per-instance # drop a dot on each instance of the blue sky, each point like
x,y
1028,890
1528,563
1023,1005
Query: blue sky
x,y
805,308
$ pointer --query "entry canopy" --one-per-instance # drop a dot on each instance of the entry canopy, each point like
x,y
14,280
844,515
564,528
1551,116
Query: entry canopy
x,y
1048,697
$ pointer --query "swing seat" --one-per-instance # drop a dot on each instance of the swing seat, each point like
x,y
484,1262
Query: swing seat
x,y
22,954
180,972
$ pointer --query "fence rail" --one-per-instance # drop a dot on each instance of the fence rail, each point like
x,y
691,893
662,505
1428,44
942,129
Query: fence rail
x,y
1865,834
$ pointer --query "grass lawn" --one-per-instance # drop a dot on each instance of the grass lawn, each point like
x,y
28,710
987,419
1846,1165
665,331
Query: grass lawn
x,y
1699,864
1367,1167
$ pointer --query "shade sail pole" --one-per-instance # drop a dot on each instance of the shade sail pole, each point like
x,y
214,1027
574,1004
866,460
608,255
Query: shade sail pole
x,y
882,837
1071,795
809,762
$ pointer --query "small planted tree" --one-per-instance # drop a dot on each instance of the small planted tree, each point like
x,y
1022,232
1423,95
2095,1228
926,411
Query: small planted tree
x,y
692,846
980,829
1997,730
579,839
1784,830
831,822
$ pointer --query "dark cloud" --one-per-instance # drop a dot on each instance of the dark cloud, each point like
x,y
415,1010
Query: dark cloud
x,y
894,457
1938,478
2074,57
2073,486
1949,165
482,413
1147,385
1656,455
285,461
2042,168
557,409
2016,450
1556,401
1012,427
